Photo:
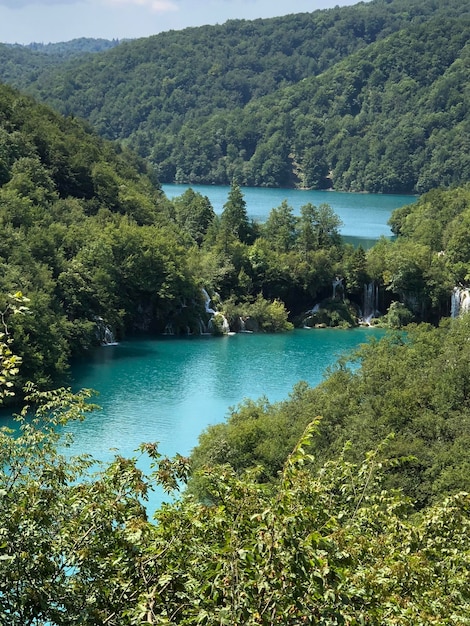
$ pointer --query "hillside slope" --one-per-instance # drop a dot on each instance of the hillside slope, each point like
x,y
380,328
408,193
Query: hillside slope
x,y
84,234
146,93
392,117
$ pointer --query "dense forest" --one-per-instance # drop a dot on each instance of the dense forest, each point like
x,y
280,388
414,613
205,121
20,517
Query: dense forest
x,y
364,98
347,503
90,238
21,65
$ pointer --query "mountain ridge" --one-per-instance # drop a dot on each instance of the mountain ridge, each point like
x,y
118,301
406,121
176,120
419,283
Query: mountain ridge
x,y
144,93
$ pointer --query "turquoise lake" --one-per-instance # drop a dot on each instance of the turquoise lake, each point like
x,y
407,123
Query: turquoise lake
x,y
364,215
169,389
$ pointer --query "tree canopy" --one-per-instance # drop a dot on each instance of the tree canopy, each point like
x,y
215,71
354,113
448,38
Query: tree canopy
x,y
325,545
369,97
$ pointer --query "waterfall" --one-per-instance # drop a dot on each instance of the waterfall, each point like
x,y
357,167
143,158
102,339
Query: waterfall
x,y
207,302
459,301
225,325
203,330
218,324
109,337
103,333
308,315
338,282
169,329
371,301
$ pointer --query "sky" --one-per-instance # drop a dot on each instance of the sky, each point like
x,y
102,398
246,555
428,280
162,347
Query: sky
x,y
50,21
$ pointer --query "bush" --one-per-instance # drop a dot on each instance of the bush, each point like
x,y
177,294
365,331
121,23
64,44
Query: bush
x,y
259,316
398,315
271,317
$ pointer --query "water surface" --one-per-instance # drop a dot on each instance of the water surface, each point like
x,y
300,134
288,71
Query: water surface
x,y
364,215
170,389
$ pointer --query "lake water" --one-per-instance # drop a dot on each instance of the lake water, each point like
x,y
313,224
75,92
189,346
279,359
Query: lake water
x,y
169,389
364,216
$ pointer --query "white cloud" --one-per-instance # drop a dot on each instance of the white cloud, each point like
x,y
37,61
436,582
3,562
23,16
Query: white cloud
x,y
158,6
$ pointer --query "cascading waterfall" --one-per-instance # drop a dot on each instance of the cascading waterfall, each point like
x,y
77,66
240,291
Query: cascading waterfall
x,y
225,324
169,329
218,319
218,323
207,302
103,333
459,301
108,337
338,282
243,328
371,302
308,314
203,330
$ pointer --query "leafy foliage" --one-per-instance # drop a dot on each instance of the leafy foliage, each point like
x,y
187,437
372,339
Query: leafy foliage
x,y
330,548
431,254
413,385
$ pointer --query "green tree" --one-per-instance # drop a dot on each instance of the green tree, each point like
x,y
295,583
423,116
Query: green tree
x,y
194,213
315,168
318,227
30,179
234,218
355,269
457,248
280,229
9,362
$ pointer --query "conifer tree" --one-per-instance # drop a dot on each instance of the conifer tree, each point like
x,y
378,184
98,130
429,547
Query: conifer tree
x,y
234,218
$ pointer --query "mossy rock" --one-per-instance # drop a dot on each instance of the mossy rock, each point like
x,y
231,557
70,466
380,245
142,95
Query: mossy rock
x,y
331,314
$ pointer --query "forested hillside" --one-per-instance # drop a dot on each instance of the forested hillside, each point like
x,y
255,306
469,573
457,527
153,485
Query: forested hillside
x,y
21,65
73,48
393,117
370,97
84,233
347,503
94,244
